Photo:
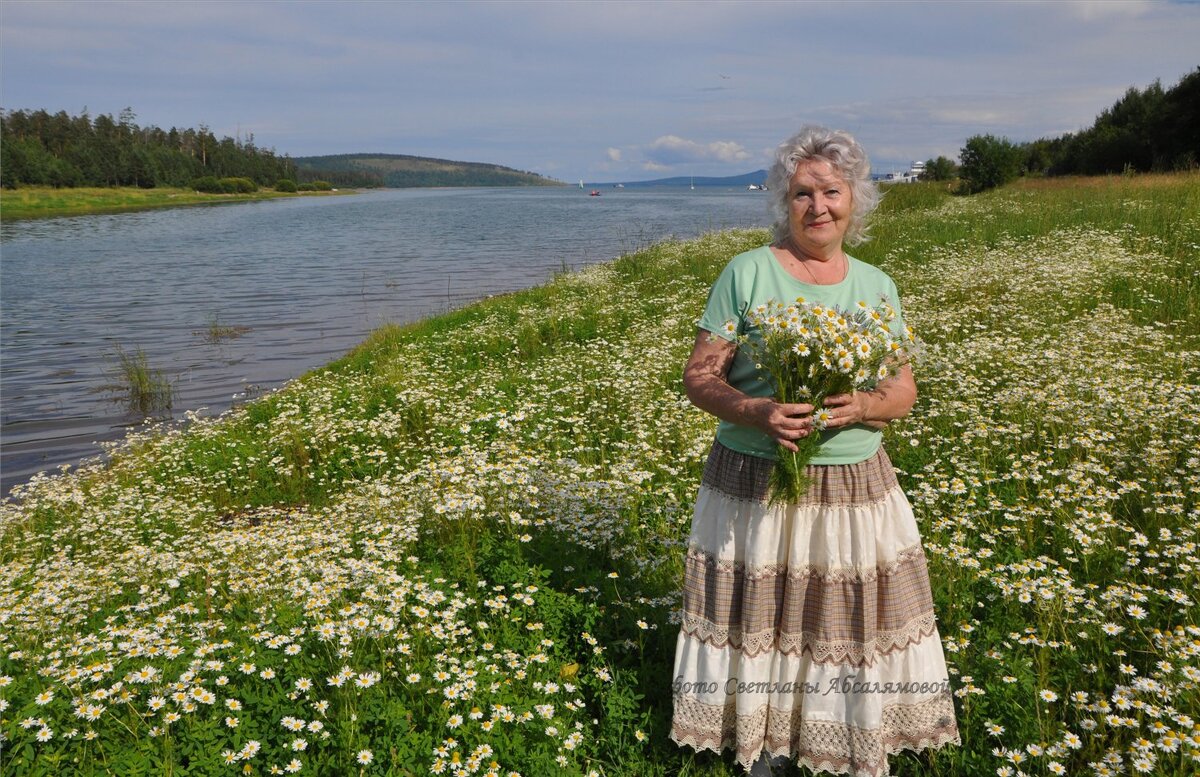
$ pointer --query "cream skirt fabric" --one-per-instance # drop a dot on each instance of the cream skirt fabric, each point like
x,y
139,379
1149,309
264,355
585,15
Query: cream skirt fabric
x,y
808,630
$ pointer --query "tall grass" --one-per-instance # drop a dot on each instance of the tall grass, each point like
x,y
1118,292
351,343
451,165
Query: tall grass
x,y
1151,215
216,332
144,390
462,542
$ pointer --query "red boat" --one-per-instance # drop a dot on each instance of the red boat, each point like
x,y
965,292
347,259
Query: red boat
x,y
594,193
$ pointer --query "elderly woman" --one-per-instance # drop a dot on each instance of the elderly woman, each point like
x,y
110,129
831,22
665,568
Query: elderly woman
x,y
808,629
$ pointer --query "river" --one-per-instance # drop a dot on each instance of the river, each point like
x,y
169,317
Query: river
x,y
303,280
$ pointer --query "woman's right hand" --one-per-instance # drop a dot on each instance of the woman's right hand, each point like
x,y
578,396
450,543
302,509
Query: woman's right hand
x,y
783,422
704,379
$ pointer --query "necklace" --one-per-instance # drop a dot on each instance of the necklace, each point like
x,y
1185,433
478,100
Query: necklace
x,y
796,258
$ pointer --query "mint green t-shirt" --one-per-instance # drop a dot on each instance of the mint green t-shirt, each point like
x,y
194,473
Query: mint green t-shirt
x,y
754,277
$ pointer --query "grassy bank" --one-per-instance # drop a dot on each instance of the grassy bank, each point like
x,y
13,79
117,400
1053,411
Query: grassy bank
x,y
461,544
41,201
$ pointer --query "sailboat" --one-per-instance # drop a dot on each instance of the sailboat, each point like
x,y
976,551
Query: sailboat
x,y
693,183
580,183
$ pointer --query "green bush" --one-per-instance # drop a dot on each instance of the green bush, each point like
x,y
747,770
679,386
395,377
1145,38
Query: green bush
x,y
988,162
214,185
207,183
322,186
306,187
940,169
238,186
285,185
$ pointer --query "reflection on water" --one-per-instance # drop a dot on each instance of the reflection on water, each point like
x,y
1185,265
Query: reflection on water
x,y
305,278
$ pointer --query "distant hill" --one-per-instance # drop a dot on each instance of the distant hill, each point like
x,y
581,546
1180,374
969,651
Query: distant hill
x,y
758,177
403,171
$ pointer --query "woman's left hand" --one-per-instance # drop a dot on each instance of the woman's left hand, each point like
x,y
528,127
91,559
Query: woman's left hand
x,y
891,399
848,409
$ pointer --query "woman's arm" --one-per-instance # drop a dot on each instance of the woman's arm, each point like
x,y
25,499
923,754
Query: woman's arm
x,y
704,378
891,399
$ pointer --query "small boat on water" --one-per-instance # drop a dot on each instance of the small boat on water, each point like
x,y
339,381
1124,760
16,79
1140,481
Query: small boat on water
x,y
594,193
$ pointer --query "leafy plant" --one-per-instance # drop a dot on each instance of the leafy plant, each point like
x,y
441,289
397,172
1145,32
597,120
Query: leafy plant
x,y
940,169
146,390
217,332
988,162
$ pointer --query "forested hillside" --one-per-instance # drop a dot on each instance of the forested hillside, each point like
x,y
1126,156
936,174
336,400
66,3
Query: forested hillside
x,y
43,149
400,171
60,150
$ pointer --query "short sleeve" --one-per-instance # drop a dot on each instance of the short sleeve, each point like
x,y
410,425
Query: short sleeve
x,y
726,303
893,298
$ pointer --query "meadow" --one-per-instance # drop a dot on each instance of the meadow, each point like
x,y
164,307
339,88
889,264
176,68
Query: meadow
x,y
42,201
457,550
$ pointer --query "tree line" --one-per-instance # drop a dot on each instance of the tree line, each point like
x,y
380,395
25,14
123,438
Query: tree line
x,y
1150,130
40,148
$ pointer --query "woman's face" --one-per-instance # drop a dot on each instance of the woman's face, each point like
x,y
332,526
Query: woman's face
x,y
819,202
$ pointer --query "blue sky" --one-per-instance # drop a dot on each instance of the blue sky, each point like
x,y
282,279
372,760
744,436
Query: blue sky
x,y
605,91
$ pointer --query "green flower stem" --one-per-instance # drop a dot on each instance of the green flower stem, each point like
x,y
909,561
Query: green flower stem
x,y
789,479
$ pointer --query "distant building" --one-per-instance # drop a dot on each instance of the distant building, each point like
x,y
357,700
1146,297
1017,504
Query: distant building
x,y
911,175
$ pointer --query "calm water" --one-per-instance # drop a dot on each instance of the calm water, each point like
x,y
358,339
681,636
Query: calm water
x,y
308,277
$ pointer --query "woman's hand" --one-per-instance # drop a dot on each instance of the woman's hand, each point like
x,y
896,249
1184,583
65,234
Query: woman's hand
x,y
890,400
848,409
704,378
785,423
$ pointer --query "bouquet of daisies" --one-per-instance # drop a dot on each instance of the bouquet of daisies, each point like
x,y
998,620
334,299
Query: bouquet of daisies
x,y
812,351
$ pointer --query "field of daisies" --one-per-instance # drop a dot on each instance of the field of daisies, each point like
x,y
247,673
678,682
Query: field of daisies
x,y
458,549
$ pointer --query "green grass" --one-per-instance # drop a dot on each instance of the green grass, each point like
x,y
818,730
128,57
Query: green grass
x,y
1151,215
538,445
144,390
42,201
216,332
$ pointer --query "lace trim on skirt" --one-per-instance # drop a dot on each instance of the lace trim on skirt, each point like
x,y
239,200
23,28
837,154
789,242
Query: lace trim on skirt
x,y
818,744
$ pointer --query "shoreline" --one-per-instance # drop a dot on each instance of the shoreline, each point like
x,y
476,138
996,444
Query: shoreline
x,y
27,203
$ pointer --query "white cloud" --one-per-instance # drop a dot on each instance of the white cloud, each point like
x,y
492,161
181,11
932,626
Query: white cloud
x,y
672,149
654,167
614,154
728,151
968,115
1089,10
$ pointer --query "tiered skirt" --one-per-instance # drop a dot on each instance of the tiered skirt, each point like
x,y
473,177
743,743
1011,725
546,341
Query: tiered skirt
x,y
808,629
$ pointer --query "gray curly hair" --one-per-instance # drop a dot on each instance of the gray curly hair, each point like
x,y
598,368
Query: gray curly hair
x,y
849,160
